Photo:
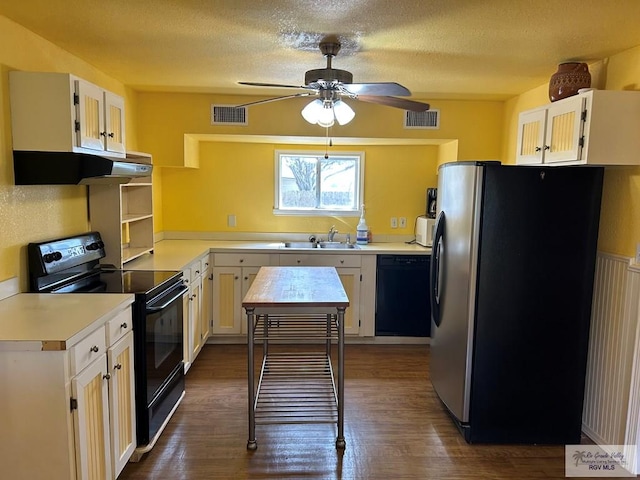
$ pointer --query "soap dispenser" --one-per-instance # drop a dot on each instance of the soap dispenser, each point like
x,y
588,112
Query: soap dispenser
x,y
362,231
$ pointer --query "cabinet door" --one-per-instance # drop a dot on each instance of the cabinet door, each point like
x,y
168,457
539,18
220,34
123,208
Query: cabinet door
x,y
350,278
248,276
227,300
186,321
564,131
195,312
90,116
91,421
206,316
531,129
114,122
122,403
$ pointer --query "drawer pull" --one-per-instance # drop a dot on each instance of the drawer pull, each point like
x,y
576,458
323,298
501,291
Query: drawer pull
x,y
94,349
124,325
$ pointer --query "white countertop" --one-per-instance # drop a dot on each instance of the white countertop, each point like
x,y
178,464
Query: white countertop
x,y
177,254
27,320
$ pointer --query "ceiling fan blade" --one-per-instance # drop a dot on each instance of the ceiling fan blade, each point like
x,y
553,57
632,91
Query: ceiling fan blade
x,y
382,88
277,85
403,103
274,99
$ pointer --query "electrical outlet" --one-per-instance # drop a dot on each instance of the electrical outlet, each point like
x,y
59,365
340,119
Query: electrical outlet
x,y
231,220
403,222
394,222
638,254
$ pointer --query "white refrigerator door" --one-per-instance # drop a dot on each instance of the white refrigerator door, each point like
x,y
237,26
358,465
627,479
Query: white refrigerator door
x,y
456,252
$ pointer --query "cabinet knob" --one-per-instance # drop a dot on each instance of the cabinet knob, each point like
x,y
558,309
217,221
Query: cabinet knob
x,y
246,278
118,366
94,349
107,376
111,135
235,278
547,147
241,260
124,325
206,264
341,261
197,272
538,149
298,261
103,134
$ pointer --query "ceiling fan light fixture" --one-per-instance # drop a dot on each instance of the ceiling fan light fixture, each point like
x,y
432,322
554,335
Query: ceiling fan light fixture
x,y
326,112
343,112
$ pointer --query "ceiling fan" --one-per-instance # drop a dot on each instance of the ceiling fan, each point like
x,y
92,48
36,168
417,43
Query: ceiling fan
x,y
331,84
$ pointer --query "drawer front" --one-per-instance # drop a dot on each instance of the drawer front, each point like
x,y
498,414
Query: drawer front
x,y
204,263
87,350
186,275
241,260
319,260
119,326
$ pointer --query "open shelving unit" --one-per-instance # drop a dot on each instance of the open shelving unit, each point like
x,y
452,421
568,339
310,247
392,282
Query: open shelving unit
x,y
123,214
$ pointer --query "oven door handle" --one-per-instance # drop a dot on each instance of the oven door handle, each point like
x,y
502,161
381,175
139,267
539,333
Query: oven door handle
x,y
158,308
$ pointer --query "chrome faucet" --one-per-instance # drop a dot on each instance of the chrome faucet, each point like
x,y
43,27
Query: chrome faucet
x,y
332,232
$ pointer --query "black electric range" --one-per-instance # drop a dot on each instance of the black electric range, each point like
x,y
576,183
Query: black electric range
x,y
72,265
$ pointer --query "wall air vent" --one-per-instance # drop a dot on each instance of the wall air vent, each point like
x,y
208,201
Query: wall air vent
x,y
426,120
228,115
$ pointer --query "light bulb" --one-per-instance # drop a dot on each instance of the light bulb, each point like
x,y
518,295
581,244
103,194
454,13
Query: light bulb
x,y
343,112
312,111
326,117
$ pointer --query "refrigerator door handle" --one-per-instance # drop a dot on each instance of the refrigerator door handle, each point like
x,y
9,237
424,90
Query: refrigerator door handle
x,y
436,270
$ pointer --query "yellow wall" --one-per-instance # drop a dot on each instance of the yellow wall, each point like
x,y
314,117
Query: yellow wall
x,y
396,176
238,179
37,213
620,215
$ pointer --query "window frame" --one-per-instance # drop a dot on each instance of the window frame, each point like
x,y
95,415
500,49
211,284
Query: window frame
x,y
359,155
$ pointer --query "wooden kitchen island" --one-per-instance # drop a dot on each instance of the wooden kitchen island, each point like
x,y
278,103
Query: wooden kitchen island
x,y
296,306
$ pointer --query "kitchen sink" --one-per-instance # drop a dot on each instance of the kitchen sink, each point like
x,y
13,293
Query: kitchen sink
x,y
330,245
339,245
300,245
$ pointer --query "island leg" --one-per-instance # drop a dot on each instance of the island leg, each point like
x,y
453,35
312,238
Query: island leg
x,y
251,443
340,441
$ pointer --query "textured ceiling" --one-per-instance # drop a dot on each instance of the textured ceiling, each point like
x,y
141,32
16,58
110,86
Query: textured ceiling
x,y
457,48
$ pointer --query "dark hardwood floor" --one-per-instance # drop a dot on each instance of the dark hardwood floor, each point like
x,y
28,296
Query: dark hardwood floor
x,y
395,428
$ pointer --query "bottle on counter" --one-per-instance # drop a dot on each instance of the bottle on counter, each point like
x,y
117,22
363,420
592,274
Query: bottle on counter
x,y
362,231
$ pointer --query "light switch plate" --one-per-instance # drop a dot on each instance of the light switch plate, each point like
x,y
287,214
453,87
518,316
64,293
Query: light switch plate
x,y
394,222
638,254
403,222
231,220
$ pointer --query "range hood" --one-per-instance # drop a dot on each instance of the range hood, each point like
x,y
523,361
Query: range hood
x,y
66,168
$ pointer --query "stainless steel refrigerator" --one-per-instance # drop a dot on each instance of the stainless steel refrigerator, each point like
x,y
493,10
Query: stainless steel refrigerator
x,y
511,285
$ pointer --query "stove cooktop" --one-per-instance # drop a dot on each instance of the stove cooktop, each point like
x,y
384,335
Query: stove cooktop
x,y
120,281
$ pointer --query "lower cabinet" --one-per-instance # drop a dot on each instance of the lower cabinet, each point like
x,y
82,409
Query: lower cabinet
x,y
233,274
72,412
196,308
349,271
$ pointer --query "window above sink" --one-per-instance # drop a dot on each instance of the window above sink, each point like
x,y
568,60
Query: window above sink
x,y
309,184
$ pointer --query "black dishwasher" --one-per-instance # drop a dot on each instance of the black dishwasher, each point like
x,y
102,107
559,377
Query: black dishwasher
x,y
402,295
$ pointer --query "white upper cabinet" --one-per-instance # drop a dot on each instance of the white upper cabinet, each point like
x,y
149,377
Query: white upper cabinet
x,y
598,127
58,112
